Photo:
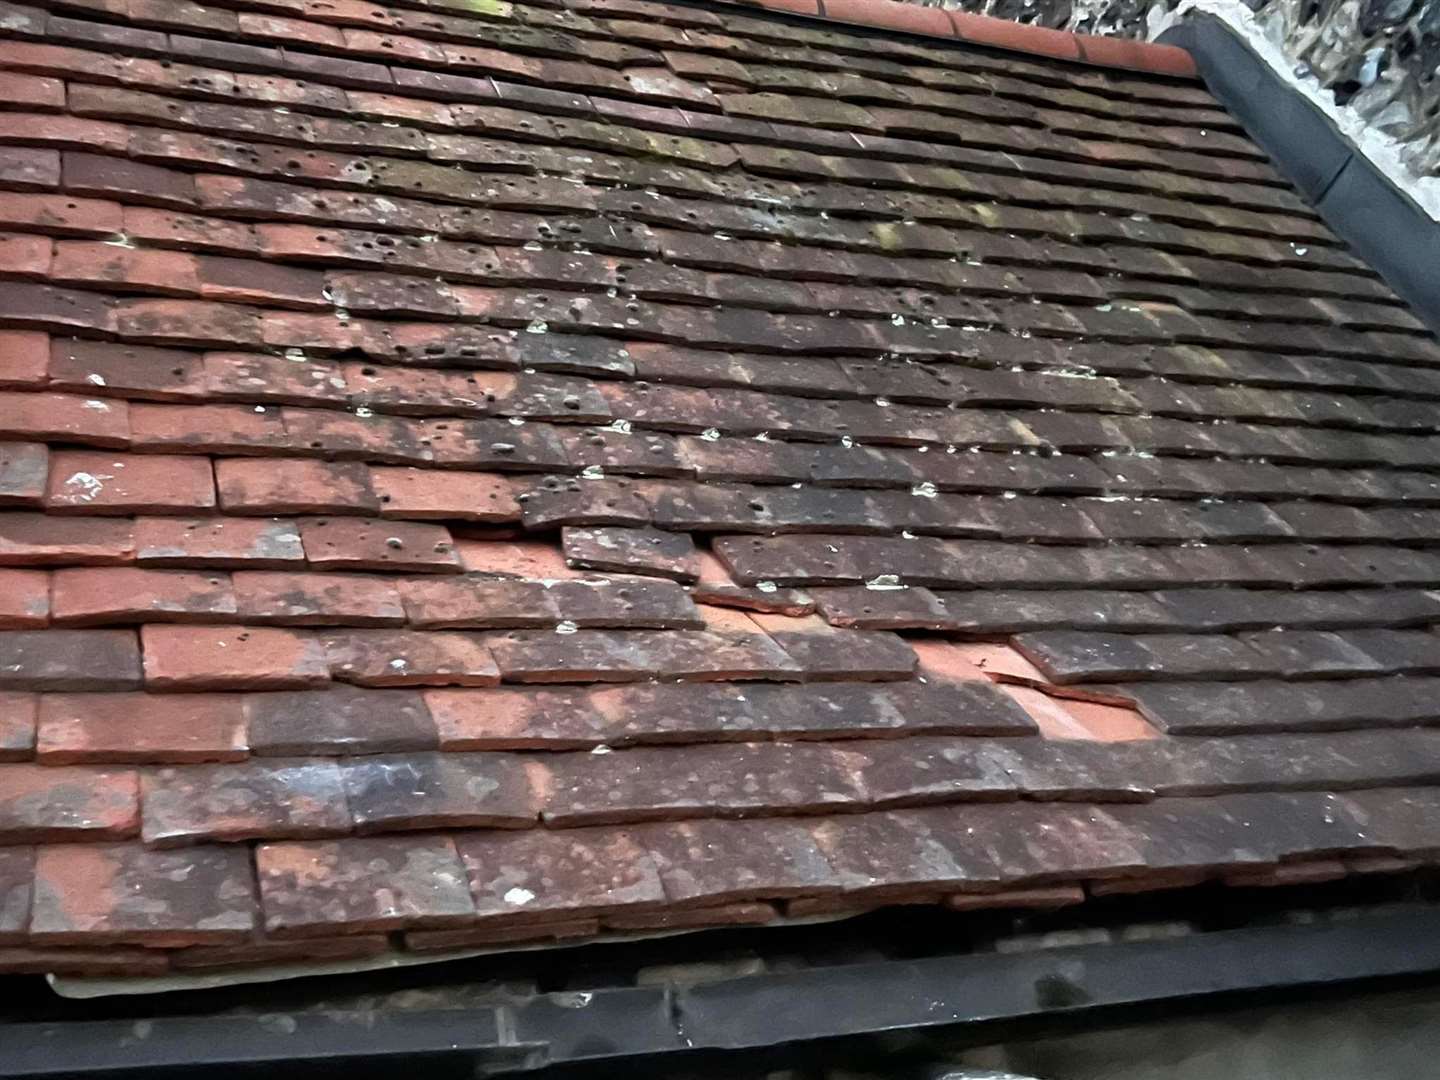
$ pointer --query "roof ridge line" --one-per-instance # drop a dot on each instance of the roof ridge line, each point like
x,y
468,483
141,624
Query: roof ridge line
x,y
974,29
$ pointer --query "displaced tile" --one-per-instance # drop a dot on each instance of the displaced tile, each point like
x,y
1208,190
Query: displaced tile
x,y
824,652
632,551
715,586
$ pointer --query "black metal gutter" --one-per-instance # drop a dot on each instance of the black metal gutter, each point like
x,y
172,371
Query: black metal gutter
x,y
1381,223
811,1006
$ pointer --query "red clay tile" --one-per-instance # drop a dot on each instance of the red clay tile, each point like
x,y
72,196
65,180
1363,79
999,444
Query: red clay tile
x,y
444,791
299,599
1110,723
17,869
261,951
24,358
231,658
489,935
26,256
86,482
262,799
40,804
208,429
409,658
340,720
139,729
1001,663
24,470
24,599
319,888
716,587
747,914
946,661
98,596
1055,720
188,322
541,875
369,544
90,894
1044,898
507,719
544,656
632,551
244,543
31,90
827,653
17,725
486,603
107,960
1310,872
64,418
40,540
519,558
271,486
459,496
95,217
81,366
106,266
69,660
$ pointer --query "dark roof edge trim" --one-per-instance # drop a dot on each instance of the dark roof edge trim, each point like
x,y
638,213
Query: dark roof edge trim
x,y
757,1011
1364,207
910,18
